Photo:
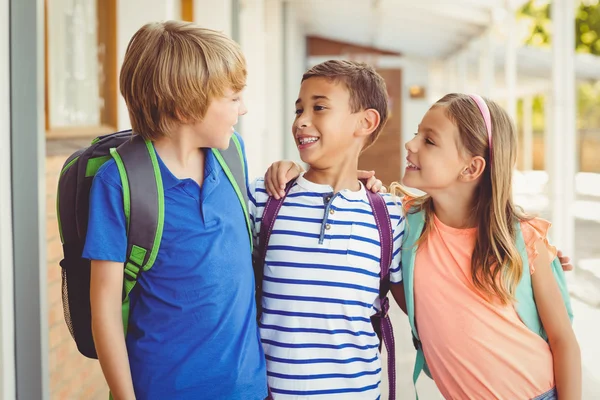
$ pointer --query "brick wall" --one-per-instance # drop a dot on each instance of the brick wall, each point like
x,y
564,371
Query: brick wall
x,y
72,376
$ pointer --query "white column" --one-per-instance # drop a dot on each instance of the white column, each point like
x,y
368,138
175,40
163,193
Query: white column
x,y
7,304
564,138
253,42
451,75
274,85
548,138
131,16
462,72
28,202
173,9
449,81
295,65
213,14
436,82
486,64
510,64
527,133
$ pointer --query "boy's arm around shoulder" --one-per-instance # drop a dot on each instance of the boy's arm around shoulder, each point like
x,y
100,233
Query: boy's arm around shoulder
x,y
554,317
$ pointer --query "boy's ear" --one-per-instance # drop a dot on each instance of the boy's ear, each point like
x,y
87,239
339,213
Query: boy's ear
x,y
369,122
180,118
473,170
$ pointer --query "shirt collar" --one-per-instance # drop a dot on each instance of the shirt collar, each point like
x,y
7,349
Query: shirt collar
x,y
211,167
318,188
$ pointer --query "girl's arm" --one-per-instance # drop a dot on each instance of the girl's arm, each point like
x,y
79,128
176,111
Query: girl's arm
x,y
554,317
106,286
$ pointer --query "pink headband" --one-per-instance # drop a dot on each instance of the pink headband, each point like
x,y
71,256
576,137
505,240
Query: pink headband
x,y
485,112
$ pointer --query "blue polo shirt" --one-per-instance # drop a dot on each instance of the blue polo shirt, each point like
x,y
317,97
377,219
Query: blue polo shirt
x,y
192,331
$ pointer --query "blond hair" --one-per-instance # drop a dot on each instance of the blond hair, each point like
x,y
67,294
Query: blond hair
x,y
366,87
171,72
493,209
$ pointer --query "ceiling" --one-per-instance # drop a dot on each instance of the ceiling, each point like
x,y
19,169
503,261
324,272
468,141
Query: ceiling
x,y
420,28
429,30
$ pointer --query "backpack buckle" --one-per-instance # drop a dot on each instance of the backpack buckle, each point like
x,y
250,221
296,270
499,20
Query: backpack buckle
x,y
131,271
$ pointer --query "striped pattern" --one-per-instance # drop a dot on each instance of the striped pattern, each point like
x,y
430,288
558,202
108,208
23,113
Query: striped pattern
x,y
321,285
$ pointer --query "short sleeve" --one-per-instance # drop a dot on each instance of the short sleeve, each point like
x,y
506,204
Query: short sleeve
x,y
398,222
533,230
257,198
106,237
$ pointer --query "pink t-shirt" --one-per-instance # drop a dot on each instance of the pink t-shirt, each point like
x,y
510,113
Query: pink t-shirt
x,y
475,349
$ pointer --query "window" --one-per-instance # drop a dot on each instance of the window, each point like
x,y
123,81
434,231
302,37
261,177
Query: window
x,y
81,67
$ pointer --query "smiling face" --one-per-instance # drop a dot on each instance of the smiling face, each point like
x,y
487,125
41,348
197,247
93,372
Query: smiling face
x,y
434,161
325,128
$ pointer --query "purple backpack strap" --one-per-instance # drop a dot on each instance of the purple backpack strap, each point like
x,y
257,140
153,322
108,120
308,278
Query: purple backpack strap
x,y
272,207
384,227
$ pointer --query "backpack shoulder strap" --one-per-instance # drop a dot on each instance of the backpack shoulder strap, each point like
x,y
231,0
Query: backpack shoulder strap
x,y
415,221
270,212
233,163
525,300
143,202
272,207
384,227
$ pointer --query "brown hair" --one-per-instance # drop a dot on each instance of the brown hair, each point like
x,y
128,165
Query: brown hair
x,y
367,88
171,72
493,208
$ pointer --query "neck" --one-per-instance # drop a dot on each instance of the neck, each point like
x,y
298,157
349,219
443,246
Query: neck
x,y
454,208
180,146
340,176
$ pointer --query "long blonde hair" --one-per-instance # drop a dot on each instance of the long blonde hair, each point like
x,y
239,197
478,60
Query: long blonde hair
x,y
493,207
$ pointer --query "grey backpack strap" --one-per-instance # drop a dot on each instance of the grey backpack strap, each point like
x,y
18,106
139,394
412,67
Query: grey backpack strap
x,y
234,166
143,202
146,199
234,159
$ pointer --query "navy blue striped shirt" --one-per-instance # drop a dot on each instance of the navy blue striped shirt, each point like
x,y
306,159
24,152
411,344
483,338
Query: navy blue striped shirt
x,y
321,285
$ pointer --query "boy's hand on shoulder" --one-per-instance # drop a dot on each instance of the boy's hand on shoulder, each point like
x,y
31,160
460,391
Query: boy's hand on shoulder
x,y
278,175
371,182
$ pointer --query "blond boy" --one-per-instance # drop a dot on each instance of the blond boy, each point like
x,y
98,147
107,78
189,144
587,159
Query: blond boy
x,y
192,327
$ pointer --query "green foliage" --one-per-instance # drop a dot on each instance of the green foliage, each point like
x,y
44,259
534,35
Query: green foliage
x,y
587,25
587,40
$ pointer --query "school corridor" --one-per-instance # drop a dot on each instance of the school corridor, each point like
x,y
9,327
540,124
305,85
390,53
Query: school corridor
x,y
59,67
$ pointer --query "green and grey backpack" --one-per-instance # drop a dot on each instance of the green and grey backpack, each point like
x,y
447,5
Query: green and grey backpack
x,y
143,203
525,302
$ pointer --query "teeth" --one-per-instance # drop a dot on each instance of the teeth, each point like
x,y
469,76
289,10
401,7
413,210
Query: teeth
x,y
307,140
410,165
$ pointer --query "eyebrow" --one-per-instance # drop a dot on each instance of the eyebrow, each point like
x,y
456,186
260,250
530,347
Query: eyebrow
x,y
430,131
314,97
